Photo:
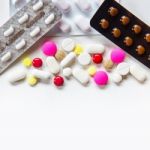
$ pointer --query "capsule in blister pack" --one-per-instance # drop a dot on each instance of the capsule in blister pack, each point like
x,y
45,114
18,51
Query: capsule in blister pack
x,y
25,28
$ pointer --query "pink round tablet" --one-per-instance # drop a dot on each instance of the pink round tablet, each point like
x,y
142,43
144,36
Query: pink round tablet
x,y
101,78
49,48
117,55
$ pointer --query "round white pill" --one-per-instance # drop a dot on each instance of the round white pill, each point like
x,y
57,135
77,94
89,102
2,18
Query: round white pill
x,y
84,59
123,68
116,78
67,72
68,44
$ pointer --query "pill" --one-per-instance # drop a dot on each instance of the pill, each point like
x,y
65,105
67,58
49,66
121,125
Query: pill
x,y
84,59
116,78
60,55
68,44
40,74
27,62
128,41
49,48
125,20
50,19
113,11
78,49
83,5
52,65
116,32
17,75
9,31
6,57
23,19
81,75
35,31
38,5
140,50
137,29
58,81
138,73
20,44
64,27
83,23
147,37
37,62
108,64
101,78
104,23
92,70
117,55
68,60
97,58
67,72
32,81
123,68
95,48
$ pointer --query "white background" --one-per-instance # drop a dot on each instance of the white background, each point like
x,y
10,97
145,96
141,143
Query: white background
x,y
75,117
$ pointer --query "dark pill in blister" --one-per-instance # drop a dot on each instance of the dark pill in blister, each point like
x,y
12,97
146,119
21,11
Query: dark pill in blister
x,y
125,20
113,11
116,32
104,23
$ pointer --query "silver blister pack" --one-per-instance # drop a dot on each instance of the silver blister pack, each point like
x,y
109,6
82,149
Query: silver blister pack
x,y
25,28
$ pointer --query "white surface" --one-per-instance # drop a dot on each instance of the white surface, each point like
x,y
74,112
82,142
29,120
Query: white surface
x,y
76,117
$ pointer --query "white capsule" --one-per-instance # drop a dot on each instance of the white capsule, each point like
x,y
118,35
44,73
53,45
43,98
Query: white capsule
x,y
68,60
84,59
38,6
116,78
9,31
35,31
64,27
40,74
83,5
23,19
68,44
50,19
67,72
123,69
52,65
82,23
95,48
21,44
81,75
17,75
138,73
6,57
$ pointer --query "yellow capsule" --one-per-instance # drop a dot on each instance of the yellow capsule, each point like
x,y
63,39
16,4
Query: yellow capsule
x,y
78,49
92,70
32,81
27,62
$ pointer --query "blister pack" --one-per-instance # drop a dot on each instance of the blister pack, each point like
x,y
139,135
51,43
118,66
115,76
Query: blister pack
x,y
25,28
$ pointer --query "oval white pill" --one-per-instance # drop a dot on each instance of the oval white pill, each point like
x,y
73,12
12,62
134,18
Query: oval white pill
x,y
68,60
83,5
83,24
116,78
50,19
84,59
52,65
21,44
35,31
67,72
38,6
23,19
6,57
81,75
64,27
40,74
123,68
17,75
9,31
95,48
68,44
138,73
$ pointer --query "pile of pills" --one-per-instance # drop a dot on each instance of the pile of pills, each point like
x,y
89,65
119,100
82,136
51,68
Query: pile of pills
x,y
73,60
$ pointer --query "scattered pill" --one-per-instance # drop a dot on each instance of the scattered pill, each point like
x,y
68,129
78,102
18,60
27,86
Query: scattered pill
x,y
37,62
95,48
6,57
64,27
9,31
138,73
68,44
108,64
123,68
117,55
27,62
84,59
38,5
83,5
78,49
52,65
23,19
60,55
32,81
116,78
58,81
20,44
97,58
81,75
68,60
113,11
104,24
101,78
49,48
67,72
35,31
92,70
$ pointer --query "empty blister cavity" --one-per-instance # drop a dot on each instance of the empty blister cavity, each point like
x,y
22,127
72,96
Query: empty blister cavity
x,y
20,44
9,31
83,5
64,27
6,57
50,19
35,31
39,5
23,19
